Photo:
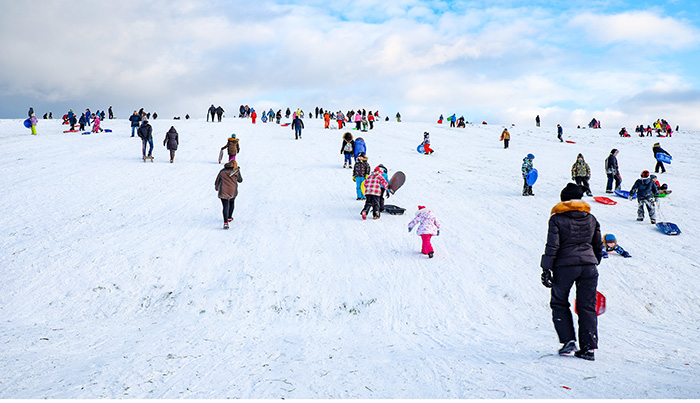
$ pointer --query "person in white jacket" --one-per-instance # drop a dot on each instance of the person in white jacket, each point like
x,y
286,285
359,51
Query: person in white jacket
x,y
428,225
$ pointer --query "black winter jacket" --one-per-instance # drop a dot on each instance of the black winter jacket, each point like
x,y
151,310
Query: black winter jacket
x,y
573,238
611,165
645,189
297,123
145,131
657,150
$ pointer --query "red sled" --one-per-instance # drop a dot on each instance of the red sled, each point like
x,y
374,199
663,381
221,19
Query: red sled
x,y
599,304
571,142
605,200
440,121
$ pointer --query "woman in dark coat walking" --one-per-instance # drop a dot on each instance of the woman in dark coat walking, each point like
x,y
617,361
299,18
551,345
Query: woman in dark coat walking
x,y
574,248
171,142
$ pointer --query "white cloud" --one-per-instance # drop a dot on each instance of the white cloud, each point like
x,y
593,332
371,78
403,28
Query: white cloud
x,y
639,28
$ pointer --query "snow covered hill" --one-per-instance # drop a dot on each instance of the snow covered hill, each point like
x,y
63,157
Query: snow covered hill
x,y
118,280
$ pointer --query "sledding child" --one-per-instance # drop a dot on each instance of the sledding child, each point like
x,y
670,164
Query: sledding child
x,y
426,143
647,192
374,186
505,138
96,125
581,173
656,149
232,147
526,168
611,245
347,149
663,189
359,174
428,225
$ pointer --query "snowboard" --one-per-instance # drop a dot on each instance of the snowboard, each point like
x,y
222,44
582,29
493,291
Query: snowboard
x,y
396,181
570,142
668,228
625,194
665,158
221,155
394,210
28,124
599,304
605,200
531,177
421,149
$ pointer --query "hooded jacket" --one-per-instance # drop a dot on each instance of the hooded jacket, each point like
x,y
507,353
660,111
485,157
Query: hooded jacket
x,y
645,188
426,221
171,140
573,238
232,146
580,168
227,181
375,182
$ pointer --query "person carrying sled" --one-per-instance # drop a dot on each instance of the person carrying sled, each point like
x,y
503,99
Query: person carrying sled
x,y
581,174
428,226
33,121
647,193
232,147
573,250
226,184
347,149
526,168
374,187
360,173
426,144
612,171
656,149
505,138
171,142
612,246
453,120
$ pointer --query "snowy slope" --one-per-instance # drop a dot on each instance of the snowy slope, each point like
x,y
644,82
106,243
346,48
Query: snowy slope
x,y
118,281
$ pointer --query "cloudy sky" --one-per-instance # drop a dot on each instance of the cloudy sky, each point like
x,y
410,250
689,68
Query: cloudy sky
x,y
623,62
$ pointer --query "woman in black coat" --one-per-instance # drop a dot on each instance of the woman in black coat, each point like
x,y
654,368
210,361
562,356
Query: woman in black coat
x,y
574,249
171,142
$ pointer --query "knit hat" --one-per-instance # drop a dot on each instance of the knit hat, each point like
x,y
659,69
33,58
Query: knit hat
x,y
652,176
421,207
645,174
609,238
233,135
572,191
530,157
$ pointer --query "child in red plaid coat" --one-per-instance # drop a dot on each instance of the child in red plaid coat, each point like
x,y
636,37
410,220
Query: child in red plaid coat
x,y
374,185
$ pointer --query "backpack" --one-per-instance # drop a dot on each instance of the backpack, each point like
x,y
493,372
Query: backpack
x,y
347,148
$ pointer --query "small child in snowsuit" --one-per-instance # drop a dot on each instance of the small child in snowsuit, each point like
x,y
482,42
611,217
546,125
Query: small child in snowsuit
x,y
96,125
647,192
426,143
347,149
611,245
663,189
359,174
527,167
428,225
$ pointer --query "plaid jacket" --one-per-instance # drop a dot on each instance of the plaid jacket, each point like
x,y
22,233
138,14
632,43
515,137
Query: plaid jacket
x,y
375,182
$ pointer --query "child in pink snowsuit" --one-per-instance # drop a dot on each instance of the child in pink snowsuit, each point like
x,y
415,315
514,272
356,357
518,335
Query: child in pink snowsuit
x,y
428,225
96,126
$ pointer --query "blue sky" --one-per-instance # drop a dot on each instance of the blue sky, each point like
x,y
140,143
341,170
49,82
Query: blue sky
x,y
622,62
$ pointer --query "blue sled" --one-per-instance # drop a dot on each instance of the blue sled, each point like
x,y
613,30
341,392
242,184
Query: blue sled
x,y
421,149
665,158
668,228
531,177
625,194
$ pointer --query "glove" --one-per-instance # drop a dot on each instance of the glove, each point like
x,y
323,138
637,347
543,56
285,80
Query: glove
x,y
438,232
388,193
409,230
546,278
353,179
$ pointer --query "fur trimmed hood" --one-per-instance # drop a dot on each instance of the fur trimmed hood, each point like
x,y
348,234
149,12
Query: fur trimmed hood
x,y
571,205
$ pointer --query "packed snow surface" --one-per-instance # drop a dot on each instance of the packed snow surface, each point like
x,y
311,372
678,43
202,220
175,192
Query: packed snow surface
x,y
118,280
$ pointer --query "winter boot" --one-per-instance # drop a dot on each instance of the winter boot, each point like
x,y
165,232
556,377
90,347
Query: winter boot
x,y
640,219
364,215
345,164
585,354
653,221
568,347
225,224
430,255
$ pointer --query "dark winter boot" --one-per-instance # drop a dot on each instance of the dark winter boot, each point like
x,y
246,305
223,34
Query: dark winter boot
x,y
226,225
568,347
585,354
430,255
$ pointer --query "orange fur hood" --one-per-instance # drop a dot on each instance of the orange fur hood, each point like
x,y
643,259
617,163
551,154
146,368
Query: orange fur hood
x,y
571,205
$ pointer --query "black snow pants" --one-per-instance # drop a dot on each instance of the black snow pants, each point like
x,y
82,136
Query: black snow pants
x,y
586,279
228,205
373,202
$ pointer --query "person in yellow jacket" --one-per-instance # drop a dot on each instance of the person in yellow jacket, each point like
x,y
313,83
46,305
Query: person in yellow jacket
x,y
505,138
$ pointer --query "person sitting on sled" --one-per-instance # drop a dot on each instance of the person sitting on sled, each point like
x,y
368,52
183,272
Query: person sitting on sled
x,y
663,189
426,143
611,245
